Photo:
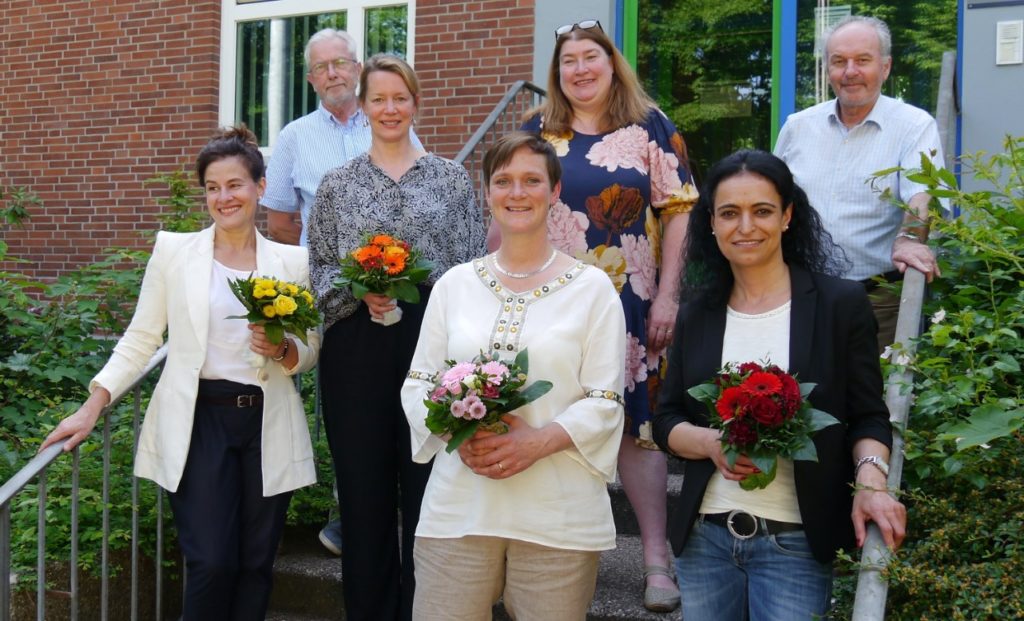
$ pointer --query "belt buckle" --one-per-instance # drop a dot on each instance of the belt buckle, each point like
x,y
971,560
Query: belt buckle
x,y
729,524
245,401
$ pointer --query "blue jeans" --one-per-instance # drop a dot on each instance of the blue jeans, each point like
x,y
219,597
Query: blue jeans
x,y
764,578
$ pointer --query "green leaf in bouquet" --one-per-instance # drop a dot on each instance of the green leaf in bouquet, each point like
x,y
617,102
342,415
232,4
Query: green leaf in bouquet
x,y
806,452
817,420
522,361
806,388
302,336
461,436
275,333
435,418
420,272
404,290
358,289
704,392
769,467
534,391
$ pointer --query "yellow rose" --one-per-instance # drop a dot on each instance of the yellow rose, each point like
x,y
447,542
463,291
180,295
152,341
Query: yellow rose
x,y
269,312
264,283
259,292
293,290
306,295
285,305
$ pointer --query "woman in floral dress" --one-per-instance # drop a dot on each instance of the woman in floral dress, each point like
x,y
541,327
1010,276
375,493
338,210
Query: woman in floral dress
x,y
626,192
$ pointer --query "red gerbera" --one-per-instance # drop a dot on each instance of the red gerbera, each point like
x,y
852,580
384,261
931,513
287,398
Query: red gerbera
x,y
762,384
731,403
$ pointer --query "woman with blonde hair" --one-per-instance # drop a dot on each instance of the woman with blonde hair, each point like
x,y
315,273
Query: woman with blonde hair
x,y
396,189
623,208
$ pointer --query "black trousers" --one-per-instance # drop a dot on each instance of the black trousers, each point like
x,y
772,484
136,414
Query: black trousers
x,y
227,529
362,368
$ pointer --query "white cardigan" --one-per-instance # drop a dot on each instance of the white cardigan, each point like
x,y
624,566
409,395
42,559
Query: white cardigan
x,y
175,296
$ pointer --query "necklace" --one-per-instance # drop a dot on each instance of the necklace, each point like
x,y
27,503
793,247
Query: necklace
x,y
505,272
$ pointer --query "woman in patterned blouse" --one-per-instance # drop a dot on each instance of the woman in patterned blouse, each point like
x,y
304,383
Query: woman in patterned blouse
x,y
626,194
396,189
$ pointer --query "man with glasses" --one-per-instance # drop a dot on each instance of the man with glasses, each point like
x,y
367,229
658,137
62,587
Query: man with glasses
x,y
320,141
309,147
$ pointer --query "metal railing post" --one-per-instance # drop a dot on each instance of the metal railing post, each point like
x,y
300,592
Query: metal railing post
x,y
872,588
5,562
75,457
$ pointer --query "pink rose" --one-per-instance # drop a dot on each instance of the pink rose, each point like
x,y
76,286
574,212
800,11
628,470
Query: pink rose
x,y
439,394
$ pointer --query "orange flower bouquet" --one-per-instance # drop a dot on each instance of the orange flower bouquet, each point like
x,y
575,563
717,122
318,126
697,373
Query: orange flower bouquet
x,y
384,265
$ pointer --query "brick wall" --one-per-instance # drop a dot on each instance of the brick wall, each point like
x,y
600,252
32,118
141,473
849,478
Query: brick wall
x,y
467,55
97,96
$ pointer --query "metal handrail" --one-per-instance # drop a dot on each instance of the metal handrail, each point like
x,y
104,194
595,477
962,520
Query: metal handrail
x,y
36,469
872,588
505,117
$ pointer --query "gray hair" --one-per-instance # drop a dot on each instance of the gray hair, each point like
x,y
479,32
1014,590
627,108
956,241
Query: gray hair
x,y
881,29
325,35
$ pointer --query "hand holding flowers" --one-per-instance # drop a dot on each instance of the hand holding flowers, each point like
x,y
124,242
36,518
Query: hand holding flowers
x,y
474,395
276,305
387,266
763,414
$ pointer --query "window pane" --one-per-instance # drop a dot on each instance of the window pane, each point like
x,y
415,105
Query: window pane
x,y
386,30
270,78
707,64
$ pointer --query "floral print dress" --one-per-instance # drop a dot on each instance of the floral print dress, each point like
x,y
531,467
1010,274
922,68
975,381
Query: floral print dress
x,y
616,187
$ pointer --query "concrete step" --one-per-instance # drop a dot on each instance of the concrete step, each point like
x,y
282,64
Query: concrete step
x,y
307,586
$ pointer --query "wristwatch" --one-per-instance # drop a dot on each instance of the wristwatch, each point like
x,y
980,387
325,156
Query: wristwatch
x,y
875,461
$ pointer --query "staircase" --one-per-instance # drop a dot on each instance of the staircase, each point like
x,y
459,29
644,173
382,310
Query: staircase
x,y
308,580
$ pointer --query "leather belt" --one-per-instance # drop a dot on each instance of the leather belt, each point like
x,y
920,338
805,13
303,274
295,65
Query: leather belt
x,y
870,284
743,525
237,401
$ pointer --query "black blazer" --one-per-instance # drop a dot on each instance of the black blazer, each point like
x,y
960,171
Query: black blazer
x,y
833,342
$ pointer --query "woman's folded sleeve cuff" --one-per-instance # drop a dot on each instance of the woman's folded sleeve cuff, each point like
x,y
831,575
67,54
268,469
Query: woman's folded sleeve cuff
x,y
595,426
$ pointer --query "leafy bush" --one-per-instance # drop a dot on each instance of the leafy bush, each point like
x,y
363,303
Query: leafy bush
x,y
964,555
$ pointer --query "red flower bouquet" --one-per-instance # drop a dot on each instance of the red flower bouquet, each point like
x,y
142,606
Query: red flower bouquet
x,y
763,413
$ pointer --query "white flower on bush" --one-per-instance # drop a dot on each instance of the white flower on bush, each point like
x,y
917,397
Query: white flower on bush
x,y
896,355
939,316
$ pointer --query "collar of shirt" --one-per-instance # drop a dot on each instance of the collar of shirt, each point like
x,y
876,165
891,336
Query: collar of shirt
x,y
357,119
877,116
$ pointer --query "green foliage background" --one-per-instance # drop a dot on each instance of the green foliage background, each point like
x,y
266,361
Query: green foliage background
x,y
54,337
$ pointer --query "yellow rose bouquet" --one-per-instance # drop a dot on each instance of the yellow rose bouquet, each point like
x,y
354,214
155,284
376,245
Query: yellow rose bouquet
x,y
276,305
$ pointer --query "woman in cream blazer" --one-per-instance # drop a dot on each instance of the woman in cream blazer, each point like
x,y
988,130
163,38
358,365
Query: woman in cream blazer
x,y
227,440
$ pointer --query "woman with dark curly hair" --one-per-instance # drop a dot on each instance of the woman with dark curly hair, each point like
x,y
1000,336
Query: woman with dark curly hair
x,y
758,288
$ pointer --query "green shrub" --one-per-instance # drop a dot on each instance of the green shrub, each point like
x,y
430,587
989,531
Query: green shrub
x,y
964,554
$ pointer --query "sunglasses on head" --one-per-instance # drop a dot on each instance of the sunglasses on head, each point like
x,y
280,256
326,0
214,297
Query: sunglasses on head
x,y
587,24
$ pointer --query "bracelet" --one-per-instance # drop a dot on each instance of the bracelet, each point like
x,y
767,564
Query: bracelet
x,y
283,353
875,461
908,235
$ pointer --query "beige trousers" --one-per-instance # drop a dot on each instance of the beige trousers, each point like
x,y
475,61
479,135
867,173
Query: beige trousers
x,y
886,305
461,580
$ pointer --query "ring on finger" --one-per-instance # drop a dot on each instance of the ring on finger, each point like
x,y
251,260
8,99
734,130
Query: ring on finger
x,y
500,467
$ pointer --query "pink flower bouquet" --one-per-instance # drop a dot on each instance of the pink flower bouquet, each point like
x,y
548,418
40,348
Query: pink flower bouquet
x,y
474,395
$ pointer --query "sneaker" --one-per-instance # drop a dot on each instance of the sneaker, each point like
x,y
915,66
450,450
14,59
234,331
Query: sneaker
x,y
330,536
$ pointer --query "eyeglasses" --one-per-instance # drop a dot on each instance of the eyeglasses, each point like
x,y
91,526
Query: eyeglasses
x,y
587,24
337,63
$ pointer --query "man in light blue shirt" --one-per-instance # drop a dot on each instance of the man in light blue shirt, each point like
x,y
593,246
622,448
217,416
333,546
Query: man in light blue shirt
x,y
834,148
320,141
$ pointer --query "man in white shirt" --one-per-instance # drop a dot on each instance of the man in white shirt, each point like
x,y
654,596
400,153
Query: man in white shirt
x,y
834,149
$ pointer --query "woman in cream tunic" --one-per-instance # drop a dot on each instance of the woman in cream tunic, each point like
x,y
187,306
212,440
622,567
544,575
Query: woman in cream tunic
x,y
523,514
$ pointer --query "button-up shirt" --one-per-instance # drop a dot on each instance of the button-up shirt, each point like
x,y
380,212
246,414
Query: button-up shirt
x,y
835,165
